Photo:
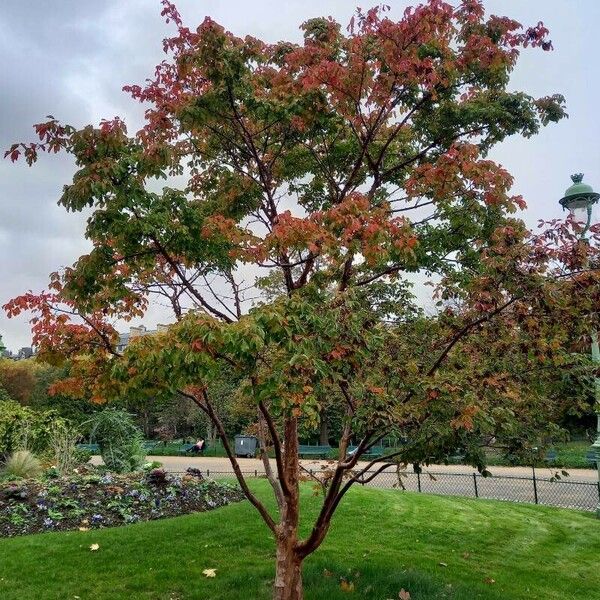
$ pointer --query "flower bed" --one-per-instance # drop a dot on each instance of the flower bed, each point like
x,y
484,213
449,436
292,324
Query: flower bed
x,y
92,500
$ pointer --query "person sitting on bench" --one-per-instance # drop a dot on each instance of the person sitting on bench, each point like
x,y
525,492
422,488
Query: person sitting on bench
x,y
198,447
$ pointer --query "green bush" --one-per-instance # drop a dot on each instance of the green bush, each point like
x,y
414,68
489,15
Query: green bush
x,y
22,428
121,442
4,395
22,464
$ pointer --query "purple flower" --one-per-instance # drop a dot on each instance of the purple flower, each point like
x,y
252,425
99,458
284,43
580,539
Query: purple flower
x,y
48,522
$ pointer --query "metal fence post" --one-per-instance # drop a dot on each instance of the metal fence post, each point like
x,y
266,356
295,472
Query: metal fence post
x,y
475,485
208,472
535,492
255,472
419,480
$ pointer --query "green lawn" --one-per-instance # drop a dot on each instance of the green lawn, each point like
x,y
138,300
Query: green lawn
x,y
573,455
174,449
381,541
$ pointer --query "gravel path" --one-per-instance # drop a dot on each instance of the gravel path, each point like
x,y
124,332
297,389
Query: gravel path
x,y
216,464
580,490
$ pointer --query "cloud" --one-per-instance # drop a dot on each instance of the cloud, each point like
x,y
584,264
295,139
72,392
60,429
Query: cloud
x,y
71,59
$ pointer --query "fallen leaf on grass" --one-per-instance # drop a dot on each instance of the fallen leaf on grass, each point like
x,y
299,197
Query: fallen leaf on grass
x,y
327,573
209,572
443,564
346,586
95,547
403,594
489,580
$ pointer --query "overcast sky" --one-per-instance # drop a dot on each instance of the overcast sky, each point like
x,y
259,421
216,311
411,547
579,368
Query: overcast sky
x,y
70,59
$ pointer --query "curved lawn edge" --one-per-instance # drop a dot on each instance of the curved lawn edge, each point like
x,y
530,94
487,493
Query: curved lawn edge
x,y
380,541
92,500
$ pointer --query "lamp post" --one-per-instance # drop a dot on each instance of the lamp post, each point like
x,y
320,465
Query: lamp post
x,y
579,199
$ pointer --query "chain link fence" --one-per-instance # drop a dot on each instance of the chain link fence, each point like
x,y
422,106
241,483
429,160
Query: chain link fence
x,y
581,495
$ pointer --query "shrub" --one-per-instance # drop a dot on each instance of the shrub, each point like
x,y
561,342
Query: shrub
x,y
4,395
23,464
62,442
22,428
120,440
157,478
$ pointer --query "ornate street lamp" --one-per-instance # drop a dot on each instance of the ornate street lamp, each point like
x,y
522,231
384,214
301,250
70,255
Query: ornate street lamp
x,y
579,200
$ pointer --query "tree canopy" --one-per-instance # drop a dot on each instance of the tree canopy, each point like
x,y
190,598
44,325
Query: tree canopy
x,y
328,173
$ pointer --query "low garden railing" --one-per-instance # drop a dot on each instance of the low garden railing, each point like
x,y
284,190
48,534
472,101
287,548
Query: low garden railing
x,y
549,491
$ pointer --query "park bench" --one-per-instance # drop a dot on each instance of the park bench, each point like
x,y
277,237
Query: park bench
x,y
374,452
150,444
321,451
457,458
93,448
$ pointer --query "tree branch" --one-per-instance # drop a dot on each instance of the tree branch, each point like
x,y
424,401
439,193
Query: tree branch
x,y
208,409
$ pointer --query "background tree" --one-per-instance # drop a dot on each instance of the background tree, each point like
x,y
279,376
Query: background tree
x,y
30,382
18,378
346,164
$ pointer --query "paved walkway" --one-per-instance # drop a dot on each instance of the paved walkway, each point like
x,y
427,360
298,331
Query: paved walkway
x,y
580,490
216,464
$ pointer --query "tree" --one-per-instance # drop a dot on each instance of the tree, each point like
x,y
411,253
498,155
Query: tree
x,y
30,381
18,378
344,164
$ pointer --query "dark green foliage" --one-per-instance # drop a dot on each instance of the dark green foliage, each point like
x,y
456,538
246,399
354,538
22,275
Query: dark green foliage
x,y
120,440
4,395
21,427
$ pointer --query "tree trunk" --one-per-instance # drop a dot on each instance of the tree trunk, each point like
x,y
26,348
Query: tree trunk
x,y
288,568
288,571
323,430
